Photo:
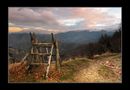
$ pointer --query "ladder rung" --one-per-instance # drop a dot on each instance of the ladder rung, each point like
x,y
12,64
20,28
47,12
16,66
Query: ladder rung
x,y
40,53
43,44
36,63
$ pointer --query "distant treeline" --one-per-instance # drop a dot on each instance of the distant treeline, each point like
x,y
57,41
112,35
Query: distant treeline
x,y
104,44
71,44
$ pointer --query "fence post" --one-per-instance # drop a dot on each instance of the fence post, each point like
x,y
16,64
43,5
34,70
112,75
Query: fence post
x,y
57,57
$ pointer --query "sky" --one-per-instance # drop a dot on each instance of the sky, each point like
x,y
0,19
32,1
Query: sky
x,y
61,19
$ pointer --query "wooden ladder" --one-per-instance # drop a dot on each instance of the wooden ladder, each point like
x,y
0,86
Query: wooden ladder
x,y
35,52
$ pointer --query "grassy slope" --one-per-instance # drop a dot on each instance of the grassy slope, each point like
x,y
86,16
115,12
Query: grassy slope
x,y
104,68
69,68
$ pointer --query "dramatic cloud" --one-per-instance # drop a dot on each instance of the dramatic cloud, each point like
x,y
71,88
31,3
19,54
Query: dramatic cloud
x,y
28,17
62,19
15,29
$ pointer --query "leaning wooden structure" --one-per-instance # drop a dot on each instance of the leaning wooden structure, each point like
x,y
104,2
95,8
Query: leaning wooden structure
x,y
40,50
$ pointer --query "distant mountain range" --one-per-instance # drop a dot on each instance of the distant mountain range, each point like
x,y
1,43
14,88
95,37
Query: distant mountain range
x,y
109,28
22,40
19,43
81,37
99,28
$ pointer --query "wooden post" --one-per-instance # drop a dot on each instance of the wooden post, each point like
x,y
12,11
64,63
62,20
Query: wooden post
x,y
50,57
54,42
56,66
31,37
57,57
47,50
24,57
37,53
41,57
52,36
49,62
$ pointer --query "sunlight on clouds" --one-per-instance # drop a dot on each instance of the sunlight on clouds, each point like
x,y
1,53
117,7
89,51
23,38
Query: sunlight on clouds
x,y
55,30
11,24
40,28
102,9
15,29
62,19
70,22
25,28
100,25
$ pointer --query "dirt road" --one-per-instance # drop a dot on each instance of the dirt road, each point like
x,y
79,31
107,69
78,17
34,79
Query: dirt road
x,y
91,73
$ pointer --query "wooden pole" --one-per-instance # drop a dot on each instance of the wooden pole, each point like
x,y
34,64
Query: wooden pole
x,y
53,41
57,57
52,36
24,57
36,52
49,62
56,67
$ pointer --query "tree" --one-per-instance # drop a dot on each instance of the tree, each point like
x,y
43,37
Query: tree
x,y
104,43
116,41
91,50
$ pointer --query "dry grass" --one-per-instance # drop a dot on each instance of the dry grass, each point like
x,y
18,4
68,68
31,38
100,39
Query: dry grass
x,y
69,68
104,68
106,72
34,73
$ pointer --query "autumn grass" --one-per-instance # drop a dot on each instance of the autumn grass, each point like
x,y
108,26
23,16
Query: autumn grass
x,y
69,68
106,72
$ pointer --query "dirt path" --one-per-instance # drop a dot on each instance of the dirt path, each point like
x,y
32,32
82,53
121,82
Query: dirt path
x,y
90,74
105,68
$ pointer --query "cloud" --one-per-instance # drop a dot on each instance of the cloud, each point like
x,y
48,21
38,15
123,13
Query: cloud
x,y
11,24
70,22
93,16
63,19
15,29
29,17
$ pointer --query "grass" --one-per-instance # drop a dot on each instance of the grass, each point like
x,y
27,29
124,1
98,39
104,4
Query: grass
x,y
71,67
69,70
108,54
106,72
19,73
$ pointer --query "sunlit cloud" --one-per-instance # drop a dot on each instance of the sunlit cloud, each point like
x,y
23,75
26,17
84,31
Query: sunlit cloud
x,y
70,22
11,24
15,29
63,19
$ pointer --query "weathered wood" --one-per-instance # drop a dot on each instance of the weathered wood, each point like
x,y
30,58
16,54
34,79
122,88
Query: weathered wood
x,y
52,36
37,53
42,44
45,45
58,63
25,57
47,50
32,50
33,38
49,62
44,54
36,63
